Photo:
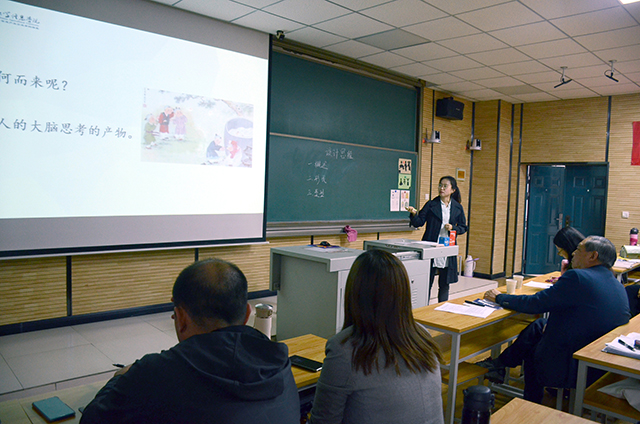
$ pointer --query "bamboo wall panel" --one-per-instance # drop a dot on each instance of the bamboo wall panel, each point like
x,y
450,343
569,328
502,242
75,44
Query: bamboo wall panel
x,y
481,222
624,179
565,131
513,262
113,281
425,150
32,289
447,157
502,189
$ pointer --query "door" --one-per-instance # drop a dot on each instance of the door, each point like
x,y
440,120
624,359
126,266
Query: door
x,y
560,196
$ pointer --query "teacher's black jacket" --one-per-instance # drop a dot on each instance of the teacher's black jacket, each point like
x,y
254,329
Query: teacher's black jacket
x,y
431,214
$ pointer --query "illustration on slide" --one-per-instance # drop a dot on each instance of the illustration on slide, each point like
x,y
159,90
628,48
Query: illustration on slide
x,y
183,128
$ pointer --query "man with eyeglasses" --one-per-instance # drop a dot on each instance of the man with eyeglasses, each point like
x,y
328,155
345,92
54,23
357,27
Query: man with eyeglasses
x,y
584,304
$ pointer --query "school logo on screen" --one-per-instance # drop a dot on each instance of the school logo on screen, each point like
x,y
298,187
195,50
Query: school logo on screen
x,y
12,18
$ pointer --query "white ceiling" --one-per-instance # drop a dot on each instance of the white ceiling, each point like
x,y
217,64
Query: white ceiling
x,y
477,49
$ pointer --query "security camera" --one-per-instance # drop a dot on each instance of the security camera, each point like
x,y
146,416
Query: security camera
x,y
280,34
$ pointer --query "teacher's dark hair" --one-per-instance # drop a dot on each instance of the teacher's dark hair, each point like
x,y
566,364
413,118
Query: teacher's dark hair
x,y
378,306
454,185
212,290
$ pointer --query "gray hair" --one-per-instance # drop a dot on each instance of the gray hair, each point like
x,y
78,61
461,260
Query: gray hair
x,y
606,250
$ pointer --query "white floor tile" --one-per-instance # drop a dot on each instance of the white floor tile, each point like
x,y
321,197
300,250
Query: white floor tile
x,y
126,351
161,321
104,331
40,341
8,381
58,365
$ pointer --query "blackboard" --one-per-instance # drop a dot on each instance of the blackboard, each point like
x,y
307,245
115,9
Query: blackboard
x,y
324,181
335,144
313,100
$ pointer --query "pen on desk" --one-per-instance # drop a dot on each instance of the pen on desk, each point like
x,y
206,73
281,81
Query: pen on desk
x,y
626,345
118,365
473,303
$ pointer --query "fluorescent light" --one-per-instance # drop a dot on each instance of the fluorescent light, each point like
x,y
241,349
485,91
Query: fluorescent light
x,y
628,1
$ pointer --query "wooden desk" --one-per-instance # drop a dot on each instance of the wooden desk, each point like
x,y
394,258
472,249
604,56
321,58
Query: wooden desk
x,y
519,411
619,272
20,411
308,346
591,356
470,336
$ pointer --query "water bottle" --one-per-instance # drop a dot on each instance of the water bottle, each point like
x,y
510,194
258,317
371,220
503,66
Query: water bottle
x,y
633,237
263,318
478,401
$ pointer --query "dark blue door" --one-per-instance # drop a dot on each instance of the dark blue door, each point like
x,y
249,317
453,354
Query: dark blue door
x,y
559,196
543,218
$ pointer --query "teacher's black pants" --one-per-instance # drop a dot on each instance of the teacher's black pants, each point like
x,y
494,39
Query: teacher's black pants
x,y
443,285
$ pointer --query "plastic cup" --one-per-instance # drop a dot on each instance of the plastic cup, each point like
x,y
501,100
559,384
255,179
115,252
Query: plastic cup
x,y
519,279
511,286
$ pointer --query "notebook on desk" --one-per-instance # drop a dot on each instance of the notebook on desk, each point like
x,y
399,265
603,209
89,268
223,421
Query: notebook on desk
x,y
624,345
53,409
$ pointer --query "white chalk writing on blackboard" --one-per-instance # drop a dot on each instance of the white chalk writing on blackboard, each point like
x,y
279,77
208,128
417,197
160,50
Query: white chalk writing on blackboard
x,y
319,169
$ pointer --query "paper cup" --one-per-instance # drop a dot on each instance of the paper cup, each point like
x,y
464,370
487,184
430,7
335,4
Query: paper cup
x,y
519,279
511,286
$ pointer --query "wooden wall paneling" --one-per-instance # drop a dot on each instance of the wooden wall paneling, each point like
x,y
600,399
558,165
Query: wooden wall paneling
x,y
481,224
516,220
113,281
254,259
503,152
565,131
425,149
624,178
32,289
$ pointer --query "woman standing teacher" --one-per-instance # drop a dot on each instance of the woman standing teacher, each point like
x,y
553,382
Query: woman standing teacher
x,y
442,214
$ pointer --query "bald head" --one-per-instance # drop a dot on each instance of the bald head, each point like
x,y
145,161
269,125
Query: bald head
x,y
213,292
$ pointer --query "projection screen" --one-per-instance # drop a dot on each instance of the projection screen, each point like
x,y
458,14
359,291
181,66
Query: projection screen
x,y
128,125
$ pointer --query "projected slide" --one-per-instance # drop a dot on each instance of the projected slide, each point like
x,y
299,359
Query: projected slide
x,y
103,121
182,128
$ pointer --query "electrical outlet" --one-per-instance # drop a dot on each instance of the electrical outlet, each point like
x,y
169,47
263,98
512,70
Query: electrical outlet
x,y
625,214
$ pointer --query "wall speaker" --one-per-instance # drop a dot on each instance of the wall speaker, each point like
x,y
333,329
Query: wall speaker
x,y
449,109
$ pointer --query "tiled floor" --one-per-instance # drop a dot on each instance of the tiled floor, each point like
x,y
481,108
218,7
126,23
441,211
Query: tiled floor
x,y
47,360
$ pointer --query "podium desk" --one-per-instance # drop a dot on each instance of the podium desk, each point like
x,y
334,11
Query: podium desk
x,y
470,336
591,356
310,282
519,411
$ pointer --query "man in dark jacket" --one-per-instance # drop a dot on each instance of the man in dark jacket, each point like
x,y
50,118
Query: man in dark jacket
x,y
221,371
584,304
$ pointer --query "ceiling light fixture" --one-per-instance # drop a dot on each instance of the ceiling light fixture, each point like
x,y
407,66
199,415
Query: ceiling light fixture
x,y
609,74
562,80
628,1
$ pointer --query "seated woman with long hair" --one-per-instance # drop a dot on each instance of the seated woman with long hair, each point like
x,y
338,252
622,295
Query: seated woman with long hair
x,y
566,241
382,367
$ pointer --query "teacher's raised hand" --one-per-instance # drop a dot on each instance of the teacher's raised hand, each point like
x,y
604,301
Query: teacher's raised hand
x,y
412,210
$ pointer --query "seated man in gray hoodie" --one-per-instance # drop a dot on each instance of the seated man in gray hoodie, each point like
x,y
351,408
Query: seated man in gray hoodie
x,y
220,371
